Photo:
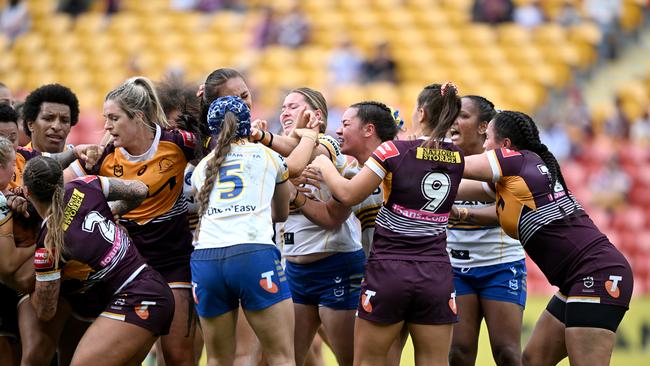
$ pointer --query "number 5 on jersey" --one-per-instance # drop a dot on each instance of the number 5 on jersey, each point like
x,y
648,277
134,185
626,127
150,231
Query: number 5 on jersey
x,y
230,182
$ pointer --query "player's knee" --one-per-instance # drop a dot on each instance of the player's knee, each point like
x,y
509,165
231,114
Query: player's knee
x,y
531,357
505,355
462,355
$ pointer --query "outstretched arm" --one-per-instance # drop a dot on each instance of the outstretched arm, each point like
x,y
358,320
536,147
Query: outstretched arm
x,y
347,192
125,195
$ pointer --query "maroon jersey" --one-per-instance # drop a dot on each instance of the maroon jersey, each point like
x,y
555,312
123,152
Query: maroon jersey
x,y
159,226
95,249
420,185
551,225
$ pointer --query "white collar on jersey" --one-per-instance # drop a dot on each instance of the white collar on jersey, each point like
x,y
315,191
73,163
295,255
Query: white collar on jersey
x,y
149,153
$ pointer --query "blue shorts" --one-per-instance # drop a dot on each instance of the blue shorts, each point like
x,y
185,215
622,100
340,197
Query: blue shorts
x,y
500,282
252,273
333,282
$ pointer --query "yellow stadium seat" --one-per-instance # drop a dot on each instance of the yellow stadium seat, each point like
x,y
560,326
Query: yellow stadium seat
x,y
631,17
90,23
479,35
587,32
513,34
345,95
383,92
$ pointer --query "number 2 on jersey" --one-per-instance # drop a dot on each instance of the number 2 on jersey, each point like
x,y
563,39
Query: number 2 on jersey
x,y
435,187
230,183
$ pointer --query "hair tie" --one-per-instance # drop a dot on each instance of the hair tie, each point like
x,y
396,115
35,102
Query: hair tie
x,y
399,122
235,105
443,88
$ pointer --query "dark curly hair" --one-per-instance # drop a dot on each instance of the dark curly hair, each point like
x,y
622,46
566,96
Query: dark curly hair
x,y
50,93
8,114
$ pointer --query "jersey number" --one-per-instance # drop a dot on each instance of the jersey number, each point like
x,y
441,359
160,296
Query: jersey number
x,y
230,183
435,187
106,227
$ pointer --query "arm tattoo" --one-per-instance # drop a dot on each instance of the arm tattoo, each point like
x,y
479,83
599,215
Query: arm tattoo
x,y
126,194
46,298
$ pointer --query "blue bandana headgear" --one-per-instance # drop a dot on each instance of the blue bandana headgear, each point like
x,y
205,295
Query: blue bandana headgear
x,y
217,114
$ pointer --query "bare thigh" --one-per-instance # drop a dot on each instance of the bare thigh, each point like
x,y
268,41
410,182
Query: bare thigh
x,y
339,328
111,342
546,344
181,333
464,344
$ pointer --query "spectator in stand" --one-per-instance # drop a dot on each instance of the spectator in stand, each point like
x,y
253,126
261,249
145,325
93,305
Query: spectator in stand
x,y
14,19
557,140
345,64
618,125
74,7
529,15
5,95
293,28
606,13
610,186
568,15
381,67
267,30
492,11
640,131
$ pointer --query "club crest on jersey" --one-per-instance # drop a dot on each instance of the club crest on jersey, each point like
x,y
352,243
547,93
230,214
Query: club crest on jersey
x,y
165,165
118,170
386,150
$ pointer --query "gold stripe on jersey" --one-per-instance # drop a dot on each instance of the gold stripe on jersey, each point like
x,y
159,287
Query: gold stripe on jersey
x,y
387,186
512,196
325,141
74,269
367,216
163,174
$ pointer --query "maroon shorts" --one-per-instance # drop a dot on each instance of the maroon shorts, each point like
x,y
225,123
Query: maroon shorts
x,y
147,301
602,275
410,291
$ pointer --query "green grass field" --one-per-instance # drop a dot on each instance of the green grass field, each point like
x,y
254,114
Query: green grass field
x,y
630,350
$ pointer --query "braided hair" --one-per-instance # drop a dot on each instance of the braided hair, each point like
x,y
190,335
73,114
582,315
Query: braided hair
x,y
43,176
228,128
524,135
441,105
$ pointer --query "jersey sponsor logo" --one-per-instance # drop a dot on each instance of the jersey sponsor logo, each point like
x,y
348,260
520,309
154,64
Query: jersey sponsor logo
x,y
142,170
267,282
196,298
72,208
386,150
443,156
460,254
420,215
118,170
588,282
188,138
42,259
142,311
611,286
289,239
365,300
452,303
507,153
